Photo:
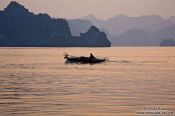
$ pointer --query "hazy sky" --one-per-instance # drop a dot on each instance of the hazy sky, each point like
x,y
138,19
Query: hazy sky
x,y
100,8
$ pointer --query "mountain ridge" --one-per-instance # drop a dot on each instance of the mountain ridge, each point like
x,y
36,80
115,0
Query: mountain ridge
x,y
151,26
21,28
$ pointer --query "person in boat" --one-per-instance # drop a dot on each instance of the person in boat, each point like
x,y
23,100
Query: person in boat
x,y
92,56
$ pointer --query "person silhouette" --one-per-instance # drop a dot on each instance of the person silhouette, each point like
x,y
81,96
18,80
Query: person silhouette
x,y
91,56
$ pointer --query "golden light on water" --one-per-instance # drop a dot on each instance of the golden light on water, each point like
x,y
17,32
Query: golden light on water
x,y
37,81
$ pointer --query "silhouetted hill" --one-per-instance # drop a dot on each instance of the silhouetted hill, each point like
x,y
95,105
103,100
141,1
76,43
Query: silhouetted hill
x,y
133,37
121,23
97,37
97,22
137,37
167,32
19,27
137,31
167,42
78,26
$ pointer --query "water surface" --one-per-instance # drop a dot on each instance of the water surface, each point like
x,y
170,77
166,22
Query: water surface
x,y
37,82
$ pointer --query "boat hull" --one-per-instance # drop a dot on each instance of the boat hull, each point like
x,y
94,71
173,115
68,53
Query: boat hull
x,y
85,60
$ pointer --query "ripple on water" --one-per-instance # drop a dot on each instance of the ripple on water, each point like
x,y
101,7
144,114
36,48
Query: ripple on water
x,y
37,82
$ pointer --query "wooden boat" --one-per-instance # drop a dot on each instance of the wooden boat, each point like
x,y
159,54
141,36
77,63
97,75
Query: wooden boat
x,y
82,59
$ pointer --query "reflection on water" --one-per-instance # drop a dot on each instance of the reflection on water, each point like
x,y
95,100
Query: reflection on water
x,y
37,82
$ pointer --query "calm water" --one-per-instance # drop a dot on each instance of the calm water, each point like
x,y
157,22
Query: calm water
x,y
37,82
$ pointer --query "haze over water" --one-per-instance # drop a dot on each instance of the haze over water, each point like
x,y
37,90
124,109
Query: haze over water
x,y
37,81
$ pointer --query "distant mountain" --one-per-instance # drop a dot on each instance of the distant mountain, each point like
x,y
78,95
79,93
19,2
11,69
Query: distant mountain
x,y
137,37
19,27
121,23
97,22
136,31
167,32
78,26
98,37
172,19
133,37
167,42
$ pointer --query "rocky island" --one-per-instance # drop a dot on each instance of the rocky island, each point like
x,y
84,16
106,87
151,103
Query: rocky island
x,y
21,28
167,42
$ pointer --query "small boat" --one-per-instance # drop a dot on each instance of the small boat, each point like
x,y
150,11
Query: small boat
x,y
84,60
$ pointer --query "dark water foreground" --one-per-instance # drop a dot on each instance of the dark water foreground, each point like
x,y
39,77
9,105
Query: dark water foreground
x,y
37,82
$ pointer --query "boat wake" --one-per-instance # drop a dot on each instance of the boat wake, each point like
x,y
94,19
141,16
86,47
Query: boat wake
x,y
120,61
